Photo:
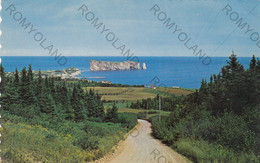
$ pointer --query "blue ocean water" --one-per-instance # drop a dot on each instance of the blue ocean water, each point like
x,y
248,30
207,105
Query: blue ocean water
x,y
184,72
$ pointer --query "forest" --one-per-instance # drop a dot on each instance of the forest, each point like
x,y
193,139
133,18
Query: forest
x,y
55,120
220,121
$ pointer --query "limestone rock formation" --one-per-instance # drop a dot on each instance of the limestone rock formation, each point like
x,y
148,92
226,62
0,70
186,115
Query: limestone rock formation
x,y
111,66
144,66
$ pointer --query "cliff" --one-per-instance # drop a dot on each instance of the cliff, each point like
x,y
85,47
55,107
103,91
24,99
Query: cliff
x,y
109,66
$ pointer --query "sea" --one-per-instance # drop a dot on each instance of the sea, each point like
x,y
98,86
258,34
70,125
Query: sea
x,y
183,72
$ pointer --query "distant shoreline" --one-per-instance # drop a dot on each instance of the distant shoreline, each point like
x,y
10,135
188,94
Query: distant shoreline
x,y
97,77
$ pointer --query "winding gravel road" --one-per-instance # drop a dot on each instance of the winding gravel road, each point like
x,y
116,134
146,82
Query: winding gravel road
x,y
141,147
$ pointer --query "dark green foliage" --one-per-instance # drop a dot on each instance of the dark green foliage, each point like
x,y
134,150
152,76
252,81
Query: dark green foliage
x,y
88,143
29,96
111,115
252,66
39,84
16,79
3,79
167,103
127,120
77,104
95,105
141,115
61,112
224,112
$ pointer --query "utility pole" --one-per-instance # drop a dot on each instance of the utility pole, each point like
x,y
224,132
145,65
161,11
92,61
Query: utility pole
x,y
146,110
159,108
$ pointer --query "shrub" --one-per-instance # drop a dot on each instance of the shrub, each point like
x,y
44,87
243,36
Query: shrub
x,y
127,120
232,131
111,115
88,143
141,115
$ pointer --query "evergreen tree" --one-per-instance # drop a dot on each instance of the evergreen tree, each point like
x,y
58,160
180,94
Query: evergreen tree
x,y
39,83
16,80
3,79
65,103
30,74
235,77
203,91
26,91
47,104
111,115
77,105
258,66
252,66
46,82
23,87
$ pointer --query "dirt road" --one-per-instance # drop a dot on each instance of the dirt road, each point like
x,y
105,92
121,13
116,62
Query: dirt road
x,y
141,147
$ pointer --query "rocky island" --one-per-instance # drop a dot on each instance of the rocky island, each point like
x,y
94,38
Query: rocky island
x,y
112,66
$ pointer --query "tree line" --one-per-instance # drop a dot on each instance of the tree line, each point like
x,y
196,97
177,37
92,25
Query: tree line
x,y
29,96
224,112
167,103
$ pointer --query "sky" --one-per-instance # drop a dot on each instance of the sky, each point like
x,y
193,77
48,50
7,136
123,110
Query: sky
x,y
135,23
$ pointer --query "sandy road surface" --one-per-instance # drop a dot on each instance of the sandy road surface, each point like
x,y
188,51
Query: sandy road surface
x,y
141,147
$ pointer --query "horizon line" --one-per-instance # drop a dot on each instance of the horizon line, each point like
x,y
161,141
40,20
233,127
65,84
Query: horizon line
x,y
113,56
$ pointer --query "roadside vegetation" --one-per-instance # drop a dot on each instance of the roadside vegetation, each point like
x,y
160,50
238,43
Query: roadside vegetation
x,y
51,120
220,121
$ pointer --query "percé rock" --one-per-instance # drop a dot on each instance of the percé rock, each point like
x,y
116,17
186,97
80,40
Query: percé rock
x,y
111,66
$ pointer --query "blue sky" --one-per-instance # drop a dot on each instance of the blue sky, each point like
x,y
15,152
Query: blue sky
x,y
135,26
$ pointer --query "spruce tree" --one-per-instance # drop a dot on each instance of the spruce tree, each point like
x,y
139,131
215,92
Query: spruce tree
x,y
30,74
39,83
26,91
77,105
111,115
23,87
3,79
16,78
258,66
235,85
252,66
47,104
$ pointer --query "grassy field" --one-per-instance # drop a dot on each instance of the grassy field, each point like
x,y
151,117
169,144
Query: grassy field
x,y
125,95
148,113
135,93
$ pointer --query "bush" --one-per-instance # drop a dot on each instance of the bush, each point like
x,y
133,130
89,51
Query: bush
x,y
27,112
127,120
95,119
232,131
204,138
88,143
111,115
160,129
141,115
